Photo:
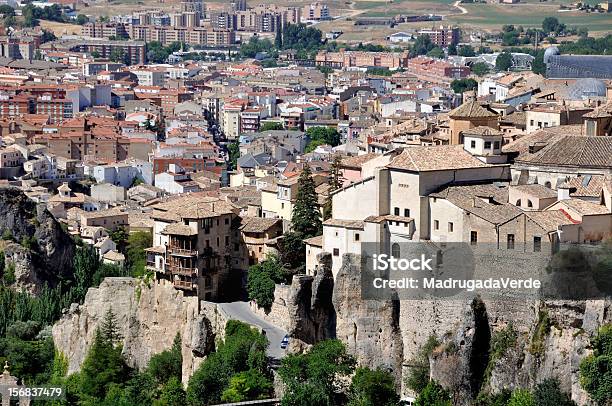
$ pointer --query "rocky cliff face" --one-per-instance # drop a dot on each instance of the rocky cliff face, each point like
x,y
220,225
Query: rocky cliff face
x,y
148,318
389,334
49,256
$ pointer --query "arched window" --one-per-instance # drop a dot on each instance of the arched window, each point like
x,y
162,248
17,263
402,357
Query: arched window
x,y
518,203
548,185
395,250
529,203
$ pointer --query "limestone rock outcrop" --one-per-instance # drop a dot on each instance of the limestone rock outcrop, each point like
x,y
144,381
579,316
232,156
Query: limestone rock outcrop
x,y
48,257
369,328
148,319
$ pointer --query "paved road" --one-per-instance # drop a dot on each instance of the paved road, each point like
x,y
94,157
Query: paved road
x,y
242,311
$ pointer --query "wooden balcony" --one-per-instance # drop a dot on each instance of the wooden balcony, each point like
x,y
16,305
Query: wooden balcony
x,y
184,285
182,252
182,270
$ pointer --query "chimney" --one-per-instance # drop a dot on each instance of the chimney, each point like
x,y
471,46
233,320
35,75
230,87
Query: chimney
x,y
563,193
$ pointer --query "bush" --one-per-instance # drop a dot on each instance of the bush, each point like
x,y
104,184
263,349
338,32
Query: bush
x,y
548,393
418,378
433,395
596,369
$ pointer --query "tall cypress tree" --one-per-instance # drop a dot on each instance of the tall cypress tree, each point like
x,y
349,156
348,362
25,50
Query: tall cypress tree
x,y
335,183
278,40
306,217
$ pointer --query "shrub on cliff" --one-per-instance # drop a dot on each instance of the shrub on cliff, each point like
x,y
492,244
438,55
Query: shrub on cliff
x,y
596,369
317,377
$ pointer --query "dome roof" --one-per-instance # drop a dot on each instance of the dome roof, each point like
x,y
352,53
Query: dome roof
x,y
550,51
585,88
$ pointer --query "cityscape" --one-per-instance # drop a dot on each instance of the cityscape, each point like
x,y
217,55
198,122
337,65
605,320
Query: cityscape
x,y
306,203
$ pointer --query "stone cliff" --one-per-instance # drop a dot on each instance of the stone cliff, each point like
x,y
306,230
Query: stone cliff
x,y
148,318
552,336
46,251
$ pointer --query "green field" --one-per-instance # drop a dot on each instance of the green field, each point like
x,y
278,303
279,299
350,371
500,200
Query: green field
x,y
492,16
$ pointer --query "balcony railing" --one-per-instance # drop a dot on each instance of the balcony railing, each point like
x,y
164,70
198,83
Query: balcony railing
x,y
182,270
182,252
184,285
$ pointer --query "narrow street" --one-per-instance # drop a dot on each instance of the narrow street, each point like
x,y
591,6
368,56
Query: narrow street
x,y
242,311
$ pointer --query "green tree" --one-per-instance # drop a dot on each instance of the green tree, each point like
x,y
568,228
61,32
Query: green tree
x,y
521,397
167,364
422,45
418,378
271,126
596,369
463,85
233,149
103,366
306,217
452,49
433,395
82,19
86,263
172,393
548,393
301,37
95,54
262,279
243,349
480,68
327,135
537,65
316,377
436,52
372,388
117,55
550,24
7,10
9,21
110,328
136,256
247,385
466,50
278,38
503,63
292,250
335,183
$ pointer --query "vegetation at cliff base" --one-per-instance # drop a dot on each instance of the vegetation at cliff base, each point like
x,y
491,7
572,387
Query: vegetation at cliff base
x,y
596,369
236,371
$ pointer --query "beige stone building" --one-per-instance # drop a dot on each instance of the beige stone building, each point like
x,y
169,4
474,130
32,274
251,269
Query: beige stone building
x,y
196,245
470,115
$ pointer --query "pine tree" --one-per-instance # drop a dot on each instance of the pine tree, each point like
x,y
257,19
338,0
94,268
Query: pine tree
x,y
103,367
335,183
109,328
278,40
306,218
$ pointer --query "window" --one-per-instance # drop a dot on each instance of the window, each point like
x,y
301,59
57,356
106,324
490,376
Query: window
x,y
451,227
510,244
396,211
496,145
487,145
357,236
436,225
336,252
395,250
227,220
406,212
537,244
473,237
529,203
473,144
518,203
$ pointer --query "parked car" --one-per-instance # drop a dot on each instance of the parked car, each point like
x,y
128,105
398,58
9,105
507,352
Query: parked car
x,y
285,342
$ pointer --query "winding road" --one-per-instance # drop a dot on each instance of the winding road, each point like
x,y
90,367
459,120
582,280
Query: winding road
x,y
242,311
